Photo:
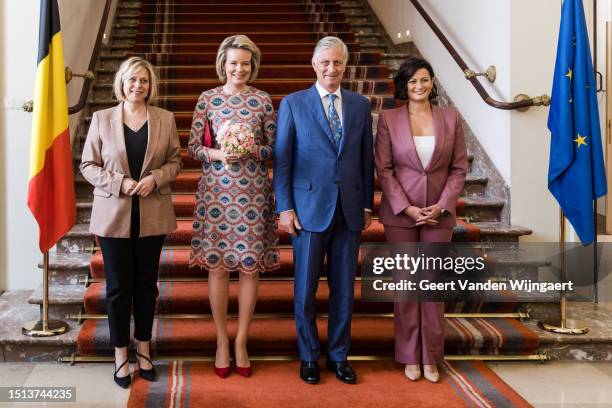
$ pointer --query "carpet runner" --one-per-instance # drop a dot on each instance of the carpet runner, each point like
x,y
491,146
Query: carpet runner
x,y
180,37
276,384
371,335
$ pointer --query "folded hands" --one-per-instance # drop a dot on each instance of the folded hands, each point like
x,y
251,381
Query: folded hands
x,y
142,188
424,216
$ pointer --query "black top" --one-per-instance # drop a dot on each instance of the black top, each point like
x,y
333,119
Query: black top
x,y
136,147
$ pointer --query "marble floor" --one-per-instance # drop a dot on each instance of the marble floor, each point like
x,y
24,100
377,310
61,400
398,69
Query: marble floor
x,y
553,384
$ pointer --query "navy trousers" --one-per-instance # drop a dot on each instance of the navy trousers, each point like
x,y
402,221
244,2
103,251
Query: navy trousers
x,y
341,246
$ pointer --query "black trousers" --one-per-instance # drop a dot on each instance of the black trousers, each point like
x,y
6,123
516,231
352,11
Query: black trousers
x,y
131,266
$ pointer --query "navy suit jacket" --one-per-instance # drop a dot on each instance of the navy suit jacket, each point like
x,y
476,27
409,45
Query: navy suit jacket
x,y
309,171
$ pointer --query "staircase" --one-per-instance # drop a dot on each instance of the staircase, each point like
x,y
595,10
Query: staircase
x,y
181,37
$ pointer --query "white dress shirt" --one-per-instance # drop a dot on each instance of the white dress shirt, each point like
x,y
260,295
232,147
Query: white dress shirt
x,y
325,100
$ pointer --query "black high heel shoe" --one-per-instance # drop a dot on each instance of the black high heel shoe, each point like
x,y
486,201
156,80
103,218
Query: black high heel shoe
x,y
123,382
149,374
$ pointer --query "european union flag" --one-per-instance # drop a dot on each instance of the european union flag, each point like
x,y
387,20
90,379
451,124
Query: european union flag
x,y
576,173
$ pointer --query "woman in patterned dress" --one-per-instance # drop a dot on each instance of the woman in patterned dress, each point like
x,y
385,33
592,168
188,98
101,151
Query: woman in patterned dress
x,y
233,226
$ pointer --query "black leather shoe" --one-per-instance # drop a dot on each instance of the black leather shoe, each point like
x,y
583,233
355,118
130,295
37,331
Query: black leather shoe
x,y
309,372
123,382
149,374
343,371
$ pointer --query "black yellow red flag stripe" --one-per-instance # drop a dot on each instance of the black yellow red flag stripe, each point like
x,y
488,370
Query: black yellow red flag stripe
x,y
51,195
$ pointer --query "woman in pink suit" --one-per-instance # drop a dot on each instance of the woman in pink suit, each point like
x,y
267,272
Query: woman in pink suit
x,y
421,162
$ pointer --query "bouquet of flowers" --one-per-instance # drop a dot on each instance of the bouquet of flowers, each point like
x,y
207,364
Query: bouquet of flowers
x,y
235,138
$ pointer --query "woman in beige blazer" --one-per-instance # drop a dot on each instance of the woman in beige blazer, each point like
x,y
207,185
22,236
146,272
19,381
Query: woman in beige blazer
x,y
131,157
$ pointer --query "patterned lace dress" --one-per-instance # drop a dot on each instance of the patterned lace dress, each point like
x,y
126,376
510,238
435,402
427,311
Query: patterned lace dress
x,y
234,219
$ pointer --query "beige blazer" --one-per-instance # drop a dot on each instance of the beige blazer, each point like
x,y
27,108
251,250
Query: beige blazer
x,y
105,163
403,179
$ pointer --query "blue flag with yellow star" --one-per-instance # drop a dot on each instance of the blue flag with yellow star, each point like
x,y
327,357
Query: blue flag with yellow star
x,y
576,172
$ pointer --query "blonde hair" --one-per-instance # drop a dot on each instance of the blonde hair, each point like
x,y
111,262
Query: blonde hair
x,y
241,42
126,69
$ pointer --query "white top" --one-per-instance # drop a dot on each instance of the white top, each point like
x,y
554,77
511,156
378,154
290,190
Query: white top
x,y
325,100
425,147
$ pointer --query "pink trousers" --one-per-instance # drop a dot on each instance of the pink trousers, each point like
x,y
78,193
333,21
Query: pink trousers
x,y
419,326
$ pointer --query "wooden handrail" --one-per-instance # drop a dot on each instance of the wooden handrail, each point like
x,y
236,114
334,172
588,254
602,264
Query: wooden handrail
x,y
92,62
522,104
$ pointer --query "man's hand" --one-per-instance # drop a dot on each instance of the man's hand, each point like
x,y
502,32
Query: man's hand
x,y
289,222
144,186
367,220
127,185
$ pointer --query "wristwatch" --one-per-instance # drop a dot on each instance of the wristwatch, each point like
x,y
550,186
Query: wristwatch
x,y
445,212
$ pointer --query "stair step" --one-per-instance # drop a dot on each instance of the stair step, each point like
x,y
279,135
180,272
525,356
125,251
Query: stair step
x,y
362,27
68,268
276,336
64,300
73,245
351,4
368,36
396,55
477,209
60,295
498,231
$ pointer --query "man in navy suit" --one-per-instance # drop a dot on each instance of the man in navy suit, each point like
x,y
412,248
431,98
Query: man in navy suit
x,y
324,186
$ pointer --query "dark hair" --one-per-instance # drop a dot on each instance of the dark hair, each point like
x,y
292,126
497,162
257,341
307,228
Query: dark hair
x,y
407,71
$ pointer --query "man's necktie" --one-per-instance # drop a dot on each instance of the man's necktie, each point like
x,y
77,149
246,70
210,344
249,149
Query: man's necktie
x,y
334,120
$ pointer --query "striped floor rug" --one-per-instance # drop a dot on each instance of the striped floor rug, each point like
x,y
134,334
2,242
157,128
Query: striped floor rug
x,y
276,384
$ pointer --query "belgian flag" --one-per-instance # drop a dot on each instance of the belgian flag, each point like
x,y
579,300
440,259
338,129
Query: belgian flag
x,y
51,195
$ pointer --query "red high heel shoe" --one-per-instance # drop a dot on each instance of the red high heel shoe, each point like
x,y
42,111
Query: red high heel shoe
x,y
222,372
243,371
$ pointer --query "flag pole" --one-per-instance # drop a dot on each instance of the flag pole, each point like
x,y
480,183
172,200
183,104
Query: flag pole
x,y
45,327
51,197
565,326
595,264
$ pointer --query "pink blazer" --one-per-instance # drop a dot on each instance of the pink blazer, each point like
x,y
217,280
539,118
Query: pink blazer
x,y
105,163
403,179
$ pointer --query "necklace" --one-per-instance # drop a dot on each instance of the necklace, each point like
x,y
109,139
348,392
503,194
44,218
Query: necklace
x,y
135,120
